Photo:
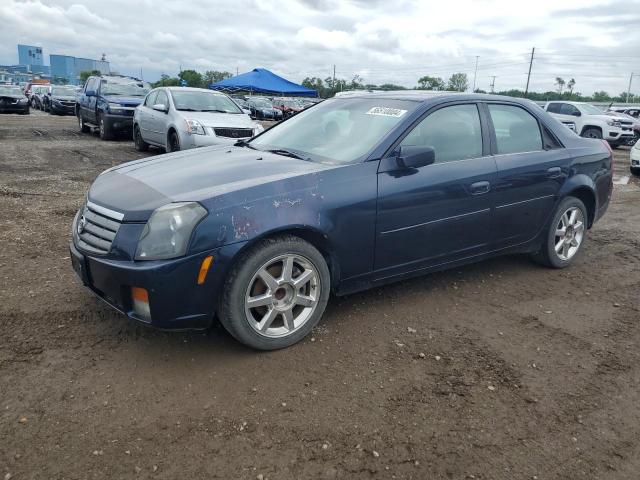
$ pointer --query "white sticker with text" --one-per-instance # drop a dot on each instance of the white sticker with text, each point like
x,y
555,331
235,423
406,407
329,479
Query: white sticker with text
x,y
386,111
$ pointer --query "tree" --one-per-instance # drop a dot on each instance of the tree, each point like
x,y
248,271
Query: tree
x,y
193,78
458,82
214,76
601,96
570,84
560,83
88,73
430,83
166,81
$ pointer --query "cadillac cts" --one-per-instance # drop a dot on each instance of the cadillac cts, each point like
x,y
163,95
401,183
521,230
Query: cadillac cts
x,y
355,192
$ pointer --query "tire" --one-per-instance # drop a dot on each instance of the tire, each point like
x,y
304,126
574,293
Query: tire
x,y
83,128
635,171
570,247
139,143
105,130
284,312
33,103
591,133
173,142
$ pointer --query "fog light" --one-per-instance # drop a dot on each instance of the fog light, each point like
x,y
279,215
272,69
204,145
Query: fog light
x,y
204,269
140,298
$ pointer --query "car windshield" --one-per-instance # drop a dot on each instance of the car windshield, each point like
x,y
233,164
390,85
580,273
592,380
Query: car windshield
x,y
292,104
191,100
63,91
338,131
4,90
591,110
126,89
262,103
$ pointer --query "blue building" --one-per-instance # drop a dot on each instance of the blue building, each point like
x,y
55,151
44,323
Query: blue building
x,y
69,68
29,55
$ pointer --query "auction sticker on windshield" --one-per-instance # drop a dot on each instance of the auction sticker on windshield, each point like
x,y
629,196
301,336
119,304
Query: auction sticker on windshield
x,y
386,111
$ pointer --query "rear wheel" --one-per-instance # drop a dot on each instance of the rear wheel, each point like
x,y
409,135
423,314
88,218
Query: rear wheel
x,y
592,133
105,129
565,234
139,143
276,293
173,142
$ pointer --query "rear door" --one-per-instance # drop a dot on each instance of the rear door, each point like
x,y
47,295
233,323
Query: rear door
x,y
442,212
532,165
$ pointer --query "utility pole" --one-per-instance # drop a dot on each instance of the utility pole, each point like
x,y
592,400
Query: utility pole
x,y
493,82
629,87
475,72
236,71
526,90
333,85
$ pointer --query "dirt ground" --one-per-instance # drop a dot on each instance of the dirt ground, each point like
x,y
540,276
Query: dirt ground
x,y
500,370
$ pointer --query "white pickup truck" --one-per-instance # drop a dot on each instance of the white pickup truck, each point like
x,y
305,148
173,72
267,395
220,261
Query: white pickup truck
x,y
592,122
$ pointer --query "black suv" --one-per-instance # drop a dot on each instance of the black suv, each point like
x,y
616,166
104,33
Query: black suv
x,y
108,102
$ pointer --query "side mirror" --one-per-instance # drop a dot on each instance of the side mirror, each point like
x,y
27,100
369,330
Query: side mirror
x,y
160,107
90,93
576,113
415,156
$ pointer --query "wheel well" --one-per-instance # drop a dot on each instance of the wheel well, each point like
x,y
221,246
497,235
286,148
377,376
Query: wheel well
x,y
587,127
316,239
589,199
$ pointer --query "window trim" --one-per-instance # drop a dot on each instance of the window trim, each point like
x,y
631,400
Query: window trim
x,y
391,151
541,125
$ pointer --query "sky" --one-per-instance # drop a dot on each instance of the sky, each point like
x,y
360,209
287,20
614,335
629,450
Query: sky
x,y
596,42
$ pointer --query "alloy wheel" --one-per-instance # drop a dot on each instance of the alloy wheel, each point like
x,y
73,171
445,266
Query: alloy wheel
x,y
569,233
282,295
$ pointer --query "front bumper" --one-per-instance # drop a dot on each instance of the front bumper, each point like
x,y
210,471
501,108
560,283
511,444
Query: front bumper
x,y
60,108
14,108
188,140
119,122
176,301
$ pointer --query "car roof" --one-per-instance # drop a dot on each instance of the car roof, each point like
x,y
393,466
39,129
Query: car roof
x,y
428,95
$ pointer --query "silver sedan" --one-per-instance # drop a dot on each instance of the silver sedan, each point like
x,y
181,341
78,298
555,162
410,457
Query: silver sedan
x,y
179,118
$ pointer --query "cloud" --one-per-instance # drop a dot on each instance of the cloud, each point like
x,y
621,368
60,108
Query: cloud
x,y
593,41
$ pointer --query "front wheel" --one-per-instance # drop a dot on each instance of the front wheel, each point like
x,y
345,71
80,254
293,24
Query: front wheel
x,y
105,129
276,293
174,142
83,127
565,235
591,133
139,143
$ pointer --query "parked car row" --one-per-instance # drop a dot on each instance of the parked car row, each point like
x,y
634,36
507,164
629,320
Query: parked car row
x,y
276,108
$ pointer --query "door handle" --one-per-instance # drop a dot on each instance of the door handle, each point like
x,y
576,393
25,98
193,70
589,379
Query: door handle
x,y
479,188
554,172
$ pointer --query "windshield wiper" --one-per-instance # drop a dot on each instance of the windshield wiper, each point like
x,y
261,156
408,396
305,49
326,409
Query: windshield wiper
x,y
188,110
287,153
244,143
215,110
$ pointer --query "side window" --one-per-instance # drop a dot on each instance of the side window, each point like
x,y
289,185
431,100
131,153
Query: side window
x,y
516,129
568,109
554,107
151,99
453,132
162,98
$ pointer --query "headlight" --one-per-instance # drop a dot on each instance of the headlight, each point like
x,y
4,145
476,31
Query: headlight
x,y
115,107
613,123
168,231
23,100
194,127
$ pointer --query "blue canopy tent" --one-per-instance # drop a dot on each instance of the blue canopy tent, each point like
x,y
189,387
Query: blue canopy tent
x,y
260,80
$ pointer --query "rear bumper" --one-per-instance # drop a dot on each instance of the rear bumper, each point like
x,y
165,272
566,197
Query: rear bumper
x,y
176,301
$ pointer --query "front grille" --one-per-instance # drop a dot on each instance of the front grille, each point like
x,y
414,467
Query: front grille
x,y
234,132
96,228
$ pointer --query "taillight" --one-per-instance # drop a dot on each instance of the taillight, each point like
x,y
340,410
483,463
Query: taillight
x,y
610,153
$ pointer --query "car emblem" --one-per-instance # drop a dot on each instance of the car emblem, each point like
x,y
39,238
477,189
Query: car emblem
x,y
81,224
234,134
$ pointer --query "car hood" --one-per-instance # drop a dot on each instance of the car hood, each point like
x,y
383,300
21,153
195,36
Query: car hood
x,y
217,119
137,188
128,101
12,96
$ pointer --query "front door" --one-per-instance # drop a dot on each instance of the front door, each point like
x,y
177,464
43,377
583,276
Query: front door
x,y
442,212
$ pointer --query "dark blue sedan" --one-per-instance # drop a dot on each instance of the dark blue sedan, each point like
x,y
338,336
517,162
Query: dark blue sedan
x,y
355,192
